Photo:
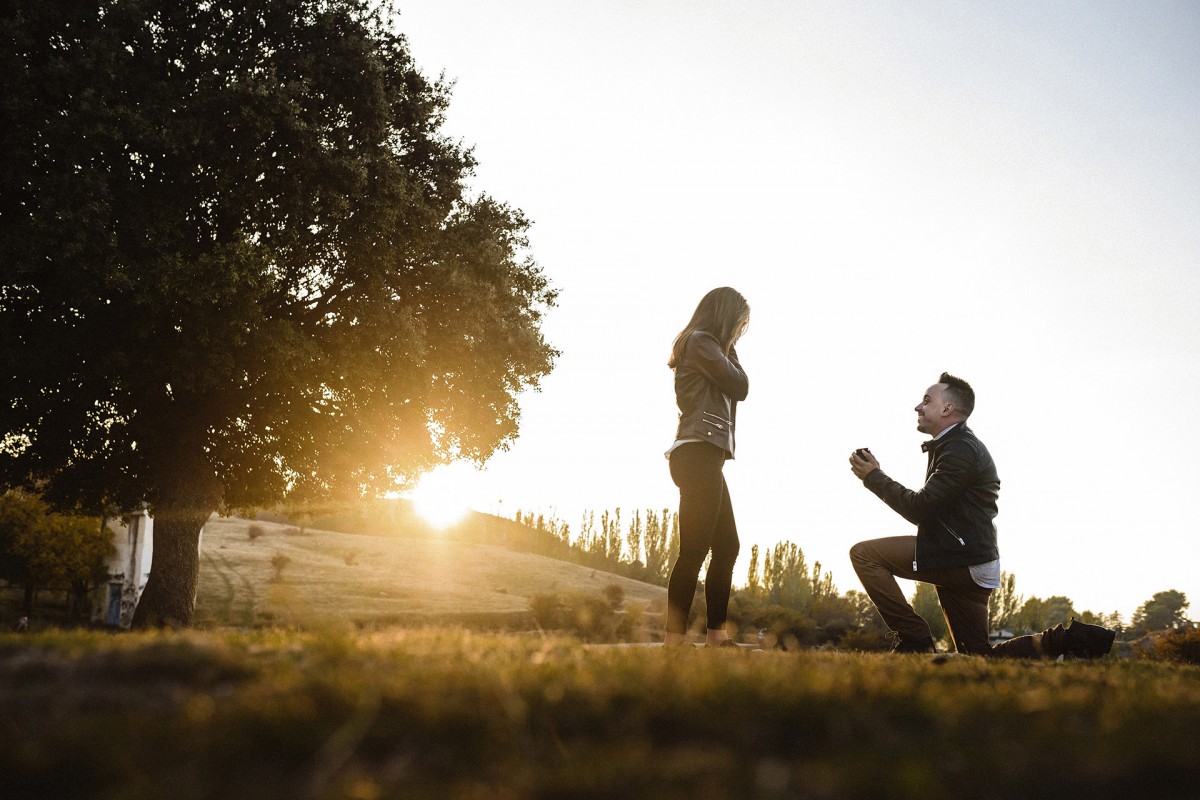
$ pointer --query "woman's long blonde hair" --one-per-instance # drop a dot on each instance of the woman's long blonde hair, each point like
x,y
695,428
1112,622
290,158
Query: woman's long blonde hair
x,y
723,312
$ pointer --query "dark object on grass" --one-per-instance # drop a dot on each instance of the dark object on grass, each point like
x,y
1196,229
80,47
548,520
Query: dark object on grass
x,y
1077,640
1087,641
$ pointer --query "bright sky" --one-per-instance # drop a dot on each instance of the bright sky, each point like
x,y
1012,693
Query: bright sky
x,y
1008,191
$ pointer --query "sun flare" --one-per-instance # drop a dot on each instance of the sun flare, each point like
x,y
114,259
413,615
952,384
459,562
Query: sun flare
x,y
441,497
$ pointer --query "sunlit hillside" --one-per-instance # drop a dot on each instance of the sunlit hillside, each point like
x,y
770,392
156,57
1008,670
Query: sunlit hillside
x,y
286,575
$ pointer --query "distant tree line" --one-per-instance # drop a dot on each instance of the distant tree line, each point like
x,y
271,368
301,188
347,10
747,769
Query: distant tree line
x,y
644,549
784,599
1009,611
794,603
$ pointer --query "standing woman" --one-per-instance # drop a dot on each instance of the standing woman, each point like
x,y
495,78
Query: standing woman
x,y
709,382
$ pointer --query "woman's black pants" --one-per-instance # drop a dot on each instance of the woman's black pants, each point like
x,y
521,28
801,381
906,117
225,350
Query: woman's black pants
x,y
705,524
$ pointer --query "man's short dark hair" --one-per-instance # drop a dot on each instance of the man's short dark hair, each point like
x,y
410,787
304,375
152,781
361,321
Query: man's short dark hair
x,y
959,392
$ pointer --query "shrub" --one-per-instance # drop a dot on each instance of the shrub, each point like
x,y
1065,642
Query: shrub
x,y
279,561
834,617
783,627
1180,645
548,611
254,532
614,594
787,622
590,617
863,639
632,624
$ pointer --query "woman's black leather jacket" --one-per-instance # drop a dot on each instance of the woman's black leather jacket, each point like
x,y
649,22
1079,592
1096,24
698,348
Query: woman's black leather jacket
x,y
708,386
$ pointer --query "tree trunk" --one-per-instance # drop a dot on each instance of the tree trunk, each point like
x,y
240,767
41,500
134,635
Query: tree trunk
x,y
184,493
170,594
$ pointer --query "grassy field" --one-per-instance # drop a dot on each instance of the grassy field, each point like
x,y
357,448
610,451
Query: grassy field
x,y
380,579
353,672
450,714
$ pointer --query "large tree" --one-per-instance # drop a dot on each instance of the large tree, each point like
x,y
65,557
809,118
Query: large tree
x,y
1037,614
1164,610
240,263
1004,604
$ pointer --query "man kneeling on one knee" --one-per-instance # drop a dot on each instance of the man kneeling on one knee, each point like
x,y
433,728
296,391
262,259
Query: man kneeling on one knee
x,y
955,548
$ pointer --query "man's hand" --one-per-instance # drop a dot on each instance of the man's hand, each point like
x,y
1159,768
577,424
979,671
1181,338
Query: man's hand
x,y
862,463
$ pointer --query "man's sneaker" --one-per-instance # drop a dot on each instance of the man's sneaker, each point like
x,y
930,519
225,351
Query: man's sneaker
x,y
1082,640
901,646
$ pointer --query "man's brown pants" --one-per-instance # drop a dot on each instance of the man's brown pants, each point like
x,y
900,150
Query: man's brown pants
x,y
879,562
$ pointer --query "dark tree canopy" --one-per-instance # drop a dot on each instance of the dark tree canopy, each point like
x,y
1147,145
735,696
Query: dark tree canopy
x,y
1164,610
240,262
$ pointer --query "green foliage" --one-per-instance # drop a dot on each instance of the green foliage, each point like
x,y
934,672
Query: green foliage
x,y
644,551
45,549
633,538
19,513
780,626
610,532
796,604
1163,610
241,262
848,621
1111,621
592,617
785,576
549,611
279,562
863,640
660,547
1037,614
753,578
453,715
1181,644
1004,604
925,602
1008,610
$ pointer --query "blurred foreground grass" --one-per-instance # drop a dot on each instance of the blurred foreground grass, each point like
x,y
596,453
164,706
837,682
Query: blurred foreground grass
x,y
452,714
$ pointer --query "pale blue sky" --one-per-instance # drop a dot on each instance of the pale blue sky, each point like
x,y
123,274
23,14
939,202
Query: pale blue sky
x,y
1009,191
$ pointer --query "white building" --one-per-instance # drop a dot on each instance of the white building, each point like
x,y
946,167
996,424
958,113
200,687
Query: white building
x,y
128,569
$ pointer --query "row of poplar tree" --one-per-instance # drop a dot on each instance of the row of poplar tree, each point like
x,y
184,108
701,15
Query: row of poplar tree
x,y
645,546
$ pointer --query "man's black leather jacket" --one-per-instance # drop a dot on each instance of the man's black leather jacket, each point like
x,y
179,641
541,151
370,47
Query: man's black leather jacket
x,y
955,511
708,386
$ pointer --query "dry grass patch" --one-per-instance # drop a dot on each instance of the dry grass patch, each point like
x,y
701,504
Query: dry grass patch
x,y
337,578
451,714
